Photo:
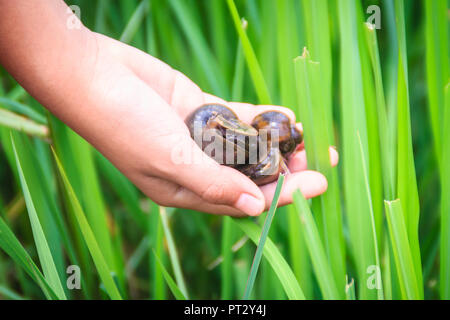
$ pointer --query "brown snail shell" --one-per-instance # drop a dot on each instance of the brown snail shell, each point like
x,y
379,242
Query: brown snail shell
x,y
289,137
257,150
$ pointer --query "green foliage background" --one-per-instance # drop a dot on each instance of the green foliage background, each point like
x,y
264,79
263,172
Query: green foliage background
x,y
379,96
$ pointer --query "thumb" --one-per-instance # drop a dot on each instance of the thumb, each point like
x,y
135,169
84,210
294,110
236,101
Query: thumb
x,y
214,183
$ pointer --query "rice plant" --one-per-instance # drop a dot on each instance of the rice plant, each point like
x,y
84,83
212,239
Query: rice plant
x,y
369,77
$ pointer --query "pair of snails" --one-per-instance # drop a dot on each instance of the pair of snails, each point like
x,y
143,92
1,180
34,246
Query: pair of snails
x,y
258,150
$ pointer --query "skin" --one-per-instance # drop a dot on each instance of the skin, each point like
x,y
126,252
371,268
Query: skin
x,y
131,107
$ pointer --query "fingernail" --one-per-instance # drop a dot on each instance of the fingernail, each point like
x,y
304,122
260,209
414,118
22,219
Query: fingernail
x,y
249,205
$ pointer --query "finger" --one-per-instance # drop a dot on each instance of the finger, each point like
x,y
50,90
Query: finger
x,y
334,156
298,161
169,194
191,168
310,183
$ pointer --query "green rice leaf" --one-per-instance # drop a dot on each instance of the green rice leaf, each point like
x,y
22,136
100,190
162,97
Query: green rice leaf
x,y
406,173
250,56
135,22
89,238
437,66
21,108
402,251
173,252
275,259
9,294
206,59
387,151
156,238
353,120
262,239
178,294
77,156
350,290
288,48
43,249
445,202
374,233
313,110
13,248
322,267
12,120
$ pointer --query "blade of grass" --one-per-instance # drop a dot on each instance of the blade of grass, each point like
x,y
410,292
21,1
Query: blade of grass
x,y
445,203
288,39
36,164
77,156
262,239
151,45
299,257
386,271
226,268
264,47
437,66
312,109
234,248
239,69
322,267
173,252
91,242
350,290
135,22
178,294
276,260
220,36
45,255
13,248
18,93
12,120
353,120
123,188
373,158
287,49
156,233
9,294
68,152
385,140
200,47
402,251
387,143
406,174
255,70
315,13
372,216
23,109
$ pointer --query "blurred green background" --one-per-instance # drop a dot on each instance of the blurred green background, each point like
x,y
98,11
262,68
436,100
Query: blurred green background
x,y
199,38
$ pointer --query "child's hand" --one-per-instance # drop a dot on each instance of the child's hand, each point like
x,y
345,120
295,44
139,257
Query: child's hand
x,y
132,107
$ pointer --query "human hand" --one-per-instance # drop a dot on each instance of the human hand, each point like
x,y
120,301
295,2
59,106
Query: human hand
x,y
131,107
205,186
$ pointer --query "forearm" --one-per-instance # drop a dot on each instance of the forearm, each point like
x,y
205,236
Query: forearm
x,y
45,56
